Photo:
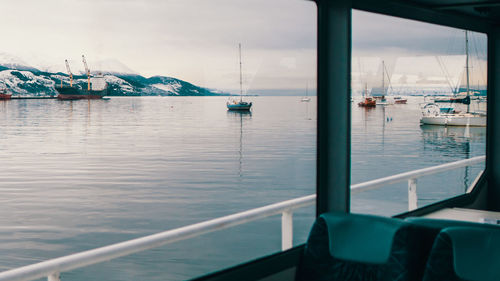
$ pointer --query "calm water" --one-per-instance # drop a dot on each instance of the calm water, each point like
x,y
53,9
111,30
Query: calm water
x,y
79,175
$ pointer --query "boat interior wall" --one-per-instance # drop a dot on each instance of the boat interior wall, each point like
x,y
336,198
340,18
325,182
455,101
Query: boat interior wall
x,y
493,120
334,117
432,11
277,267
480,201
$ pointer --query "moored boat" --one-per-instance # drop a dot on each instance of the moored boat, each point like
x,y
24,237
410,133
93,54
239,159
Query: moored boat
x,y
432,114
72,93
368,102
306,98
239,105
464,100
4,95
454,119
97,86
400,100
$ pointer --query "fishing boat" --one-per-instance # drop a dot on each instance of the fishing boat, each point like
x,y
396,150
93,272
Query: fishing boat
x,y
235,104
4,95
367,101
97,87
432,114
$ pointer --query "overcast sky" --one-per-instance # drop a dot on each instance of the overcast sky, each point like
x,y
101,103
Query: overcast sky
x,y
197,40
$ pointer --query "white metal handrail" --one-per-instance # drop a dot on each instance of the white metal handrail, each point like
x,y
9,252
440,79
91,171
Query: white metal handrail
x,y
52,268
416,174
412,177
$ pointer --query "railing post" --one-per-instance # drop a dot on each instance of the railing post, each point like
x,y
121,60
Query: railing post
x,y
286,230
412,194
54,277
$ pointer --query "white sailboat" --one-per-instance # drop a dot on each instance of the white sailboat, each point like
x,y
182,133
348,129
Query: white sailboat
x,y
382,100
239,105
306,98
433,115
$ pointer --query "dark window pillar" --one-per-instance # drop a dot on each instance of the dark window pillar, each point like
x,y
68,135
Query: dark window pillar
x,y
493,130
334,106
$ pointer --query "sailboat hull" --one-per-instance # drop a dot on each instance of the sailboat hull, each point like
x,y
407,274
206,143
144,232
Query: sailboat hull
x,y
239,106
455,120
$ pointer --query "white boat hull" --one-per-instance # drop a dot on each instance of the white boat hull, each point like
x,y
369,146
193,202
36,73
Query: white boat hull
x,y
455,120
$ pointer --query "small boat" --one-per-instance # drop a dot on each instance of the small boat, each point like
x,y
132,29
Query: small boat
x,y
306,98
464,100
4,95
367,101
400,100
239,105
383,101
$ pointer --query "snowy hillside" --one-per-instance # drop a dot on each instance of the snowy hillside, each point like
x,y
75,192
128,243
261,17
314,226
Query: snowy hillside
x,y
21,79
8,61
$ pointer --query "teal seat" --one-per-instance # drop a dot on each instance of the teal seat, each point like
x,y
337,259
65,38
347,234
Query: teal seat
x,y
465,253
362,247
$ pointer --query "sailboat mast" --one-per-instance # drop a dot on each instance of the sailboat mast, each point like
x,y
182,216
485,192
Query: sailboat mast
x,y
467,66
241,85
383,85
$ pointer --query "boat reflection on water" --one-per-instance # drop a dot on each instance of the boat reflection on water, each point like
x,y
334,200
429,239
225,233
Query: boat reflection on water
x,y
240,115
451,139
455,141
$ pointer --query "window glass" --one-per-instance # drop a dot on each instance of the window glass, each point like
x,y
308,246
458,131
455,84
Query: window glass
x,y
419,100
161,150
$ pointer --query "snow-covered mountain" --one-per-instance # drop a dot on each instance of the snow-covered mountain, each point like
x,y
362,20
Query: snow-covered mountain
x,y
9,61
22,79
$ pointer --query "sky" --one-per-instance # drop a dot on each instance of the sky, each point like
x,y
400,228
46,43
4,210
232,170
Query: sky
x,y
197,40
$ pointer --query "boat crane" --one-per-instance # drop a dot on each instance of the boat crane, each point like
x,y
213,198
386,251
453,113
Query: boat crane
x,y
70,74
88,72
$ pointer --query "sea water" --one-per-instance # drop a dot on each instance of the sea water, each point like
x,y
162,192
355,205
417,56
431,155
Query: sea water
x,y
77,175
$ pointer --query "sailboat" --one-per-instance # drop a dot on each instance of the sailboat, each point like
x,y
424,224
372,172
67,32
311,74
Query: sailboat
x,y
239,105
432,114
367,101
381,100
306,98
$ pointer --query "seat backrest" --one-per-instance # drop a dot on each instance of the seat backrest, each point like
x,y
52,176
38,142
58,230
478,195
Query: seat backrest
x,y
439,224
362,247
465,253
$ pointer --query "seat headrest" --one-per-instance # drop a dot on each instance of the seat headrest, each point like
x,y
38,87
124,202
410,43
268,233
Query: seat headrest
x,y
476,252
443,223
361,238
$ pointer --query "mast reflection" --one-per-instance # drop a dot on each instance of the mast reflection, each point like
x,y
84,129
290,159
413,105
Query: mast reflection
x,y
240,115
